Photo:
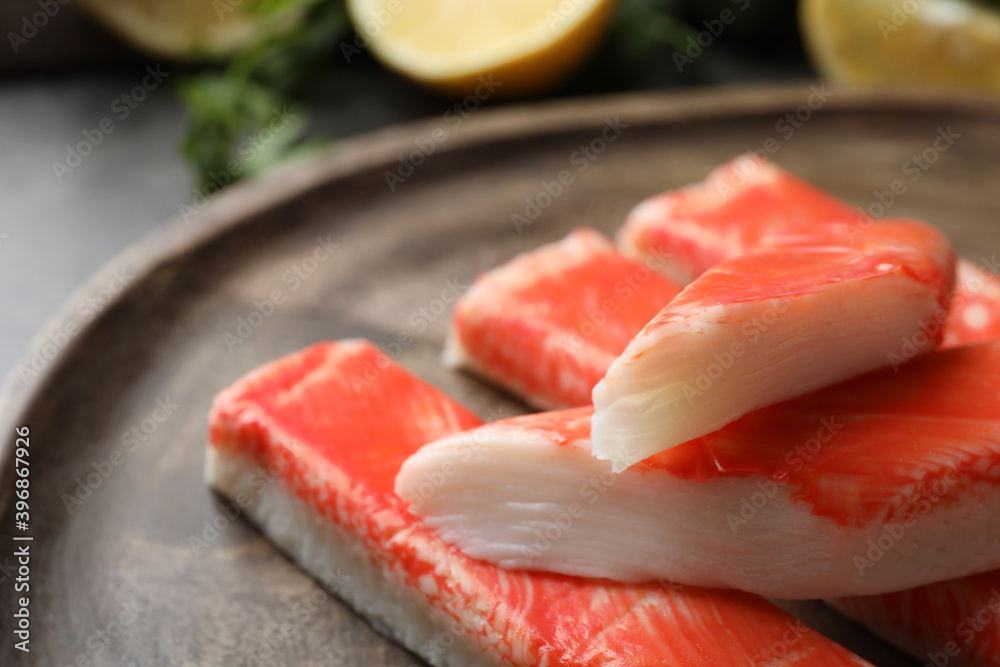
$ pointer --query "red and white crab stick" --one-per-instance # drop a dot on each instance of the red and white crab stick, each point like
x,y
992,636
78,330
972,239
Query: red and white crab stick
x,y
749,203
310,445
547,324
770,325
882,483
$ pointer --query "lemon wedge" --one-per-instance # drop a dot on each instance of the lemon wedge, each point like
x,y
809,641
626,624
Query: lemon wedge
x,y
514,47
189,29
910,42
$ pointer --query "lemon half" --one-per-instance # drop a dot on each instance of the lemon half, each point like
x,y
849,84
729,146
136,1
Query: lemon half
x,y
189,29
522,47
912,42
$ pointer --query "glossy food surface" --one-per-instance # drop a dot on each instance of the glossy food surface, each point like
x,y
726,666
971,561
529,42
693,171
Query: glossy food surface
x,y
547,324
339,445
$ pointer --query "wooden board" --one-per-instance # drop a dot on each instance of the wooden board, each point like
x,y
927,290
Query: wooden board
x,y
161,338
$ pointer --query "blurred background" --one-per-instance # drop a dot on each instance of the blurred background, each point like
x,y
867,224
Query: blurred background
x,y
118,115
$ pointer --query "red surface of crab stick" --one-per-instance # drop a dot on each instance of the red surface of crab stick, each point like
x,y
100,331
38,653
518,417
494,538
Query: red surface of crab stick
x,y
547,324
770,325
311,443
741,206
954,623
749,203
883,483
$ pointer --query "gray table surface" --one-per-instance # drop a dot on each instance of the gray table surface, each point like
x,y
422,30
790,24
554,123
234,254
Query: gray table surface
x,y
57,229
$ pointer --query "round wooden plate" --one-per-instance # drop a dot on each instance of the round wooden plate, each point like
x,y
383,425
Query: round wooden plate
x,y
116,395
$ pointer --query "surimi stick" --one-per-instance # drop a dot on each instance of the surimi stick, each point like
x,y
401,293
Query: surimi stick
x,y
547,324
328,440
883,483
